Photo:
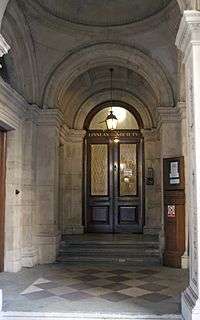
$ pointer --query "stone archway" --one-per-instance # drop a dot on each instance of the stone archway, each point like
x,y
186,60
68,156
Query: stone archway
x,y
183,5
72,142
97,98
104,54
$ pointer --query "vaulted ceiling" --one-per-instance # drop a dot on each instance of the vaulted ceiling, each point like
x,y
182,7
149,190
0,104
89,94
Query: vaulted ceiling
x,y
103,12
61,51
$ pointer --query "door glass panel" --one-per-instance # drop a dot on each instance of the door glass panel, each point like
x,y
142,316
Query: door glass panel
x,y
128,169
99,169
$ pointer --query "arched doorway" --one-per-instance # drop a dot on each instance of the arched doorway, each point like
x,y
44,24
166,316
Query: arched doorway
x,y
113,172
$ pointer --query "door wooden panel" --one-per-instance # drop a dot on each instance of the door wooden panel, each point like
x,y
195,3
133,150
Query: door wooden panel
x,y
114,183
98,207
2,195
128,216
128,186
174,211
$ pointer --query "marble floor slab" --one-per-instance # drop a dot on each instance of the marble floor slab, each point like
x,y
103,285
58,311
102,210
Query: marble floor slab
x,y
90,287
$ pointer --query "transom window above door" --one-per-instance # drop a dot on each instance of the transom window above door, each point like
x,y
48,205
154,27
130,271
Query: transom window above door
x,y
126,120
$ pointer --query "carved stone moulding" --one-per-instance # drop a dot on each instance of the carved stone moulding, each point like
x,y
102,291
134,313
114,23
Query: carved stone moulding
x,y
4,47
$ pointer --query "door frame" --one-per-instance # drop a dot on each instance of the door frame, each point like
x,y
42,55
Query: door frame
x,y
86,126
141,173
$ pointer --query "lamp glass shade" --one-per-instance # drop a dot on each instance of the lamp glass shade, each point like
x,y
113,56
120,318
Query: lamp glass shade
x,y
111,121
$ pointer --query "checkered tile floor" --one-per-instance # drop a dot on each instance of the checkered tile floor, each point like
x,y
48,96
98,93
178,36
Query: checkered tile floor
x,y
67,287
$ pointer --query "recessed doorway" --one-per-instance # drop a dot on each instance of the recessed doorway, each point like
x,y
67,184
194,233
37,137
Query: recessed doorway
x,y
114,175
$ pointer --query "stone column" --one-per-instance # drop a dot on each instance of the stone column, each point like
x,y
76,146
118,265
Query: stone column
x,y
29,251
153,201
47,163
188,41
13,209
169,126
4,48
170,132
71,186
182,110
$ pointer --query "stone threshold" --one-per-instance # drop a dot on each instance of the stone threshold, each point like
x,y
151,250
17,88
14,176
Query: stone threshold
x,y
11,315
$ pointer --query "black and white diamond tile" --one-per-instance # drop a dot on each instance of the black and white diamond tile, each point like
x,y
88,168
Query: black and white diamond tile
x,y
115,296
109,284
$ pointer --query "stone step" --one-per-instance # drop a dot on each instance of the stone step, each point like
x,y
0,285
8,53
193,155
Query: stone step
x,y
125,257
108,256
138,239
109,250
107,247
110,245
137,249
142,261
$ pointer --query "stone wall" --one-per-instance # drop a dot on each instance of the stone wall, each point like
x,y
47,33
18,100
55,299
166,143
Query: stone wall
x,y
31,214
153,200
45,163
47,174
71,181
159,143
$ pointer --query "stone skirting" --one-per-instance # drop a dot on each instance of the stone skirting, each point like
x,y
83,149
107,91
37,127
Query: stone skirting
x,y
29,257
154,231
73,229
189,305
75,316
48,246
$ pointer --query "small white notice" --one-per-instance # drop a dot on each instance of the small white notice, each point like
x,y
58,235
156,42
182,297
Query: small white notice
x,y
174,181
174,173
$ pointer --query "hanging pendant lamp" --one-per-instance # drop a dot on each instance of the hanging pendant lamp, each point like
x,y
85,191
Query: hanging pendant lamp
x,y
111,119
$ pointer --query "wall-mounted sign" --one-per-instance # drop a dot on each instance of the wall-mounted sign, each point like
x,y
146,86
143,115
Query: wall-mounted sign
x,y
174,181
171,211
117,134
174,175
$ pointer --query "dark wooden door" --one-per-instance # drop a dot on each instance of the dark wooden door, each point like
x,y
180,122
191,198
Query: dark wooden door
x,y
2,195
174,211
114,182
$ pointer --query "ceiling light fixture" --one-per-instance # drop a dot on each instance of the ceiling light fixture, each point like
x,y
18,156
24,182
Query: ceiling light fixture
x,y
111,119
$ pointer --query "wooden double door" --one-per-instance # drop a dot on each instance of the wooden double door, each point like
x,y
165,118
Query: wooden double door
x,y
114,182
